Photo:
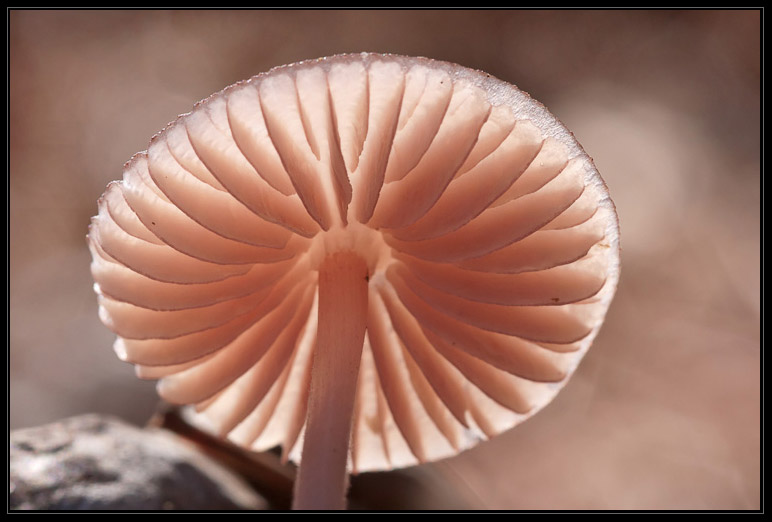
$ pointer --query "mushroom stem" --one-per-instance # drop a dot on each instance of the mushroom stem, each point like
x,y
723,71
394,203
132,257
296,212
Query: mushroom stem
x,y
322,479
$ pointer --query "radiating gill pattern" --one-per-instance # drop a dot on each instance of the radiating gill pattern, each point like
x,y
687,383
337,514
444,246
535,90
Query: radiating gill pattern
x,y
490,239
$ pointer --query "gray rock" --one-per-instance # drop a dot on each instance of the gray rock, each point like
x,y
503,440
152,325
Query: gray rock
x,y
93,462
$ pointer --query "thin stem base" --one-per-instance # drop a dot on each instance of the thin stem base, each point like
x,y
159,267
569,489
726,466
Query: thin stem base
x,y
322,478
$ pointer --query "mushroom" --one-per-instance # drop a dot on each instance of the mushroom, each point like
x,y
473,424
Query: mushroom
x,y
371,260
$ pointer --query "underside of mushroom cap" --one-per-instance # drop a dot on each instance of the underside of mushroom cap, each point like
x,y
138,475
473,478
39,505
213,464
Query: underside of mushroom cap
x,y
490,240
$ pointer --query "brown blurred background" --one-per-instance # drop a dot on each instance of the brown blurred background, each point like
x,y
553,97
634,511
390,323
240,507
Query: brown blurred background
x,y
664,412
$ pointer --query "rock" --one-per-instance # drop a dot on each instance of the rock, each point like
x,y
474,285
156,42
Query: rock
x,y
94,462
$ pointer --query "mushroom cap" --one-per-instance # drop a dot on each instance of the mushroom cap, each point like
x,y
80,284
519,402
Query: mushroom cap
x,y
490,239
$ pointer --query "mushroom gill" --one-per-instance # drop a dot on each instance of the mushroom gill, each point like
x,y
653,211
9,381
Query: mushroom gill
x,y
482,239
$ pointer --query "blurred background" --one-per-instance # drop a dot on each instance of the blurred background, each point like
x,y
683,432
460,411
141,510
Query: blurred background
x,y
663,413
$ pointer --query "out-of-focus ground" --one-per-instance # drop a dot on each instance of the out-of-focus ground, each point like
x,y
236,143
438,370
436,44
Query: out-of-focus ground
x,y
663,413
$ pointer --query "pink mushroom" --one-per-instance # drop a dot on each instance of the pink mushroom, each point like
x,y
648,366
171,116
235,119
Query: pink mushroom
x,y
371,260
